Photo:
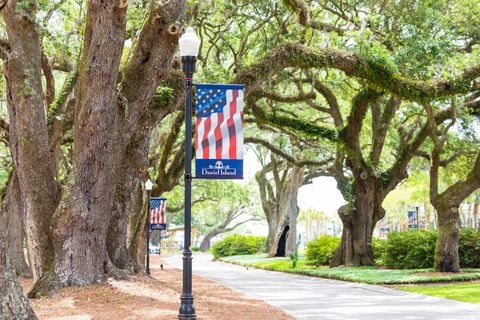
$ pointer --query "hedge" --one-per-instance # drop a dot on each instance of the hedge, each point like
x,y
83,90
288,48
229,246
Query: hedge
x,y
414,249
238,245
321,250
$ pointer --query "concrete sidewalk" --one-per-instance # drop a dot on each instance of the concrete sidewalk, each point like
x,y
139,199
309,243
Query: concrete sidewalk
x,y
314,298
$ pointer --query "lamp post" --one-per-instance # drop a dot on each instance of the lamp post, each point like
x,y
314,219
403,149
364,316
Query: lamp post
x,y
416,213
189,45
148,187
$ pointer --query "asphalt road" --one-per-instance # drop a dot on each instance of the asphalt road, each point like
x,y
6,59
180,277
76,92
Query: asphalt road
x,y
314,298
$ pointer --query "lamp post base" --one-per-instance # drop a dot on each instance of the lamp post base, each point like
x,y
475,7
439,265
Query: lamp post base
x,y
187,308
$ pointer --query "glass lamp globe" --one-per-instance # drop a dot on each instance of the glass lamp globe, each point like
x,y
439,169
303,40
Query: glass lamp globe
x,y
148,185
189,43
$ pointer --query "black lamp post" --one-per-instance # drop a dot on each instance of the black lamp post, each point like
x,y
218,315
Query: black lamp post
x,y
148,187
189,46
416,213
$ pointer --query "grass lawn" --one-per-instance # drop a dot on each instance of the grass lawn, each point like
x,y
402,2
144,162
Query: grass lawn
x,y
370,275
466,292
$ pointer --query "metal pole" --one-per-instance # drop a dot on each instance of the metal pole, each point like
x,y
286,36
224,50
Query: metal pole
x,y
187,307
418,222
147,269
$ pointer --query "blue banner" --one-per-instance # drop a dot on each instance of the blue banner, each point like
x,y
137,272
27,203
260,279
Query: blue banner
x,y
219,169
158,213
412,221
219,131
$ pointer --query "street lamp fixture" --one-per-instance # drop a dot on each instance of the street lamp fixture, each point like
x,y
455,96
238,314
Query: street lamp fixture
x,y
148,187
189,45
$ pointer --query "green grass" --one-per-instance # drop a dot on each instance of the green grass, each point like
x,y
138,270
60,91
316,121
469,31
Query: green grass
x,y
370,275
466,292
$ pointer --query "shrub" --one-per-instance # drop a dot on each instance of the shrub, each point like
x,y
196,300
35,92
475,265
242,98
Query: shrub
x,y
195,248
321,250
410,250
469,248
416,249
237,245
379,247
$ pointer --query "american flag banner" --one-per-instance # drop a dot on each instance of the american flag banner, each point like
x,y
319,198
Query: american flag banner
x,y
219,131
158,210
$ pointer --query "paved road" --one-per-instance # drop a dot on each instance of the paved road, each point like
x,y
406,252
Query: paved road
x,y
314,298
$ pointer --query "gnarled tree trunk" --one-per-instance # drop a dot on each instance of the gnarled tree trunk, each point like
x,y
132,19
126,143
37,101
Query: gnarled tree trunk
x,y
128,195
280,206
11,219
81,221
284,239
205,244
13,303
355,248
28,132
446,249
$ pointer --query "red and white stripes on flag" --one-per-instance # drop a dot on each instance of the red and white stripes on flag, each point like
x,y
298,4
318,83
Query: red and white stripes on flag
x,y
158,211
219,123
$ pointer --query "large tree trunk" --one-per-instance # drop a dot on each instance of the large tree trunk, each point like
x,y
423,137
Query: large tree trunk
x,y
13,303
358,224
149,64
129,193
11,219
283,229
446,249
80,223
136,228
28,132
205,244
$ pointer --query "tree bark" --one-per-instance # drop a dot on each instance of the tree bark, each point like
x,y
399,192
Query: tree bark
x,y
167,178
365,192
446,249
81,221
355,248
13,303
150,63
280,206
128,202
28,132
136,228
11,218
284,240
205,244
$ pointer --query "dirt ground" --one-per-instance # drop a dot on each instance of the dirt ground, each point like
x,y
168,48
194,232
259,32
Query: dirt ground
x,y
155,297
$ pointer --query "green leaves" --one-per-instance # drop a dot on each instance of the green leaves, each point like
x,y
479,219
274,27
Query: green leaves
x,y
320,252
238,245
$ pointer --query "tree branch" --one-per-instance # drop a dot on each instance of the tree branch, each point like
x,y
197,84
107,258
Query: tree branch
x,y
287,99
300,56
381,132
304,17
276,150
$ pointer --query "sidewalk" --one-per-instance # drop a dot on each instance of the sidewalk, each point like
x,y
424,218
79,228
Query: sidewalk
x,y
314,298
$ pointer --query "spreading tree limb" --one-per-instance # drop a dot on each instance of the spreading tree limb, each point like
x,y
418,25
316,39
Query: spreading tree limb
x,y
301,56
